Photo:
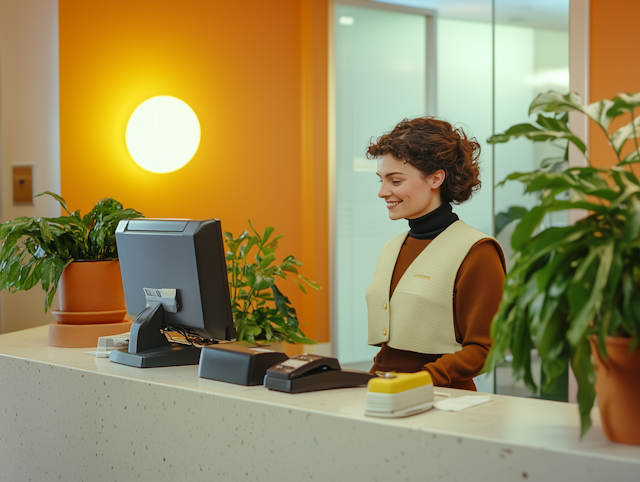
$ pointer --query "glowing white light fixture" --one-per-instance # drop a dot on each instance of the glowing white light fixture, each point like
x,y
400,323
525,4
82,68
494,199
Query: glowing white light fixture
x,y
163,134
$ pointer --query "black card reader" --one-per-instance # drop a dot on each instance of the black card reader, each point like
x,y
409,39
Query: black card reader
x,y
308,373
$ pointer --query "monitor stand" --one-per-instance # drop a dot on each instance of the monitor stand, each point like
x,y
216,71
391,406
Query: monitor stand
x,y
149,347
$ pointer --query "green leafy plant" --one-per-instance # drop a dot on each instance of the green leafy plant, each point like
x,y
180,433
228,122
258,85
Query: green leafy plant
x,y
260,310
38,249
567,283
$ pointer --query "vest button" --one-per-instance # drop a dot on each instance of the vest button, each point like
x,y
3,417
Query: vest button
x,y
384,306
384,332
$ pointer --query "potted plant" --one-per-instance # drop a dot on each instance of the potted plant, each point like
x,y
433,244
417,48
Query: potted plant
x,y
260,311
573,291
59,250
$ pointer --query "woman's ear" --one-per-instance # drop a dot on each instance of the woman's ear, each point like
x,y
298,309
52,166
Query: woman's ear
x,y
436,179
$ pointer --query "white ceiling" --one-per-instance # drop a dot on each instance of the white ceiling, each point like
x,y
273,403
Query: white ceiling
x,y
545,14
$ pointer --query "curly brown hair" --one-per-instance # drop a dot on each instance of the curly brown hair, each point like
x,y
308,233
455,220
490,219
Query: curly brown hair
x,y
430,144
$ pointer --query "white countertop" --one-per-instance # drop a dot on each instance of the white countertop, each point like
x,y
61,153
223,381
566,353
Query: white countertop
x,y
514,420
510,422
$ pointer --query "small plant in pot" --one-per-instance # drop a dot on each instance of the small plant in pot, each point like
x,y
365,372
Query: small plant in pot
x,y
574,291
58,252
261,312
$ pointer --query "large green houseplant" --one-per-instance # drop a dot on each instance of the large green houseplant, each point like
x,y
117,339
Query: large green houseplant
x,y
38,249
260,311
569,283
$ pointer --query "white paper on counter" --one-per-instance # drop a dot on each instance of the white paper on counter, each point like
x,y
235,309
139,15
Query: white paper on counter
x,y
460,403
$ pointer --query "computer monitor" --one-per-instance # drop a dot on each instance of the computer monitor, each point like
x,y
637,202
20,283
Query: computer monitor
x,y
175,276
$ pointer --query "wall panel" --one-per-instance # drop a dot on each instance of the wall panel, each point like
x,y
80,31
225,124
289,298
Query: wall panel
x,y
254,72
613,65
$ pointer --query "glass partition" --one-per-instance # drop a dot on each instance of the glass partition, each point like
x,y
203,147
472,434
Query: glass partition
x,y
490,59
531,55
380,79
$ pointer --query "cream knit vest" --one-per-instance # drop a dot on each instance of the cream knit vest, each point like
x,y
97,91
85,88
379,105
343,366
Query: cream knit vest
x,y
419,316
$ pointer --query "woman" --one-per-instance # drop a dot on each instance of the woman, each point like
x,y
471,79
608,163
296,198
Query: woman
x,y
437,287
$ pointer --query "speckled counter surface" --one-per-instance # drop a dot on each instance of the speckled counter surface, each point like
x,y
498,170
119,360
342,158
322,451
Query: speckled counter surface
x,y
69,416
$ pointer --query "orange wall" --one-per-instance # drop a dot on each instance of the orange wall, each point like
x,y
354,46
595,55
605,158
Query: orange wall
x,y
254,72
613,64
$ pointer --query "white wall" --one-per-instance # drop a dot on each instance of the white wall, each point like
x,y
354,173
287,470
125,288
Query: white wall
x,y
29,128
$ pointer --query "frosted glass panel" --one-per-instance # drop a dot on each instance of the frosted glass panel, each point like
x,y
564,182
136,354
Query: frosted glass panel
x,y
527,61
380,80
464,73
464,98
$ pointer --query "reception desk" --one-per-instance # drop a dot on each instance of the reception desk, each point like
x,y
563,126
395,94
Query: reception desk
x,y
68,416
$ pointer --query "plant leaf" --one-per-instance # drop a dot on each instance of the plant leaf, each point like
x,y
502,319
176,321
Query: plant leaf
x,y
267,260
632,158
582,367
537,135
310,283
255,232
506,217
622,135
550,338
527,225
62,202
289,268
624,103
553,101
632,224
576,332
267,232
301,287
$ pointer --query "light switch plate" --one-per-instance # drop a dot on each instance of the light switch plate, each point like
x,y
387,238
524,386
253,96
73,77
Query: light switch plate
x,y
23,184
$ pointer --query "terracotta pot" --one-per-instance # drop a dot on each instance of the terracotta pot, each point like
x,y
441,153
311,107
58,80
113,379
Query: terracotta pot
x,y
618,389
91,286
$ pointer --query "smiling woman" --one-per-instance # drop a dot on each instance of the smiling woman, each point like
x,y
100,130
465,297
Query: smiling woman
x,y
408,192
437,286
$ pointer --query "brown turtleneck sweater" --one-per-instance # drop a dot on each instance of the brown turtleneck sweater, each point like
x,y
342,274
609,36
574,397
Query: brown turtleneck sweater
x,y
476,297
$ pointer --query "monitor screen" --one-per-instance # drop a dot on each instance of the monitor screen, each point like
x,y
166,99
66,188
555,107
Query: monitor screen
x,y
182,255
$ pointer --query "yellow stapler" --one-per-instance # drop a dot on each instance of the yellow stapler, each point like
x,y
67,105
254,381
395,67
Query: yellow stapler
x,y
399,395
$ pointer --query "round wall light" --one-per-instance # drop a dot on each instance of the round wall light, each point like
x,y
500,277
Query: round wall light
x,y
163,134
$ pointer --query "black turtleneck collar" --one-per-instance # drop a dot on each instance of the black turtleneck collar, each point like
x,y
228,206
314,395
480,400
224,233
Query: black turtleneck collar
x,y
433,223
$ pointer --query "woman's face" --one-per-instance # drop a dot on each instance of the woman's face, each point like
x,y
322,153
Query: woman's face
x,y
406,190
